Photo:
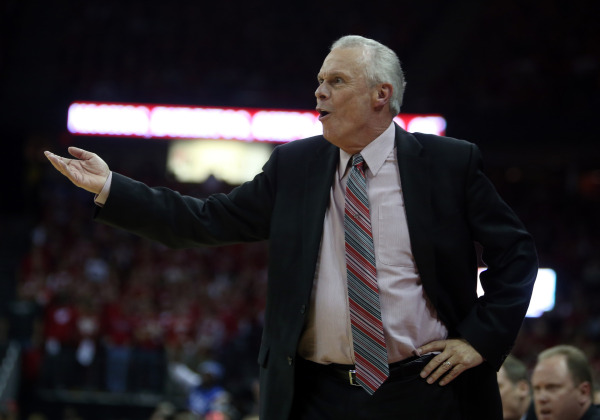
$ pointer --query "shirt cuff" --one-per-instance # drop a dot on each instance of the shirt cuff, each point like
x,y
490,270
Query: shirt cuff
x,y
100,199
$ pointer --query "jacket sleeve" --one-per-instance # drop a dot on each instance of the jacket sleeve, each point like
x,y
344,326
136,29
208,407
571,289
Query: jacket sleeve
x,y
178,221
509,252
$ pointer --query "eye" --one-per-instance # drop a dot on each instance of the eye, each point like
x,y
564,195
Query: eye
x,y
338,80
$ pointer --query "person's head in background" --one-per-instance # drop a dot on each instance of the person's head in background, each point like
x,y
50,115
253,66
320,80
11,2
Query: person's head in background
x,y
515,391
562,384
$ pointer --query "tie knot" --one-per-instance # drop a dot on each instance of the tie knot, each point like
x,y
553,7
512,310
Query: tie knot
x,y
357,160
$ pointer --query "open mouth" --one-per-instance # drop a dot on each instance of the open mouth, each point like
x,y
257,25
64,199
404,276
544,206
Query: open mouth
x,y
323,114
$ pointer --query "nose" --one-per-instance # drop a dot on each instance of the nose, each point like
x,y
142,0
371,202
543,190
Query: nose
x,y
541,396
322,92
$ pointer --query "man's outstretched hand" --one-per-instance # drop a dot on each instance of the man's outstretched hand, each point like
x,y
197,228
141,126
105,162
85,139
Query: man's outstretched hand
x,y
87,171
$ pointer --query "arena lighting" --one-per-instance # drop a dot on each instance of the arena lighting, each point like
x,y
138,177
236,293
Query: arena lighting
x,y
231,161
544,292
185,122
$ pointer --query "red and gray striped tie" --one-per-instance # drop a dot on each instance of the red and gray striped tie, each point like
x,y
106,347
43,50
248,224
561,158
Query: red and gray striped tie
x,y
370,353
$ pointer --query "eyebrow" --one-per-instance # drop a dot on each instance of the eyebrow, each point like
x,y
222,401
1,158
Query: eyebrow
x,y
335,73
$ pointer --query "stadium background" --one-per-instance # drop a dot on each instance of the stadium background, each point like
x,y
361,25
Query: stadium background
x,y
519,78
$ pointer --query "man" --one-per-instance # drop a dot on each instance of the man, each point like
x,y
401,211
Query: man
x,y
562,385
372,310
515,390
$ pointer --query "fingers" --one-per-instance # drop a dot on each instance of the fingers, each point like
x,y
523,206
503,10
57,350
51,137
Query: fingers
x,y
89,163
434,346
439,367
61,164
80,153
456,356
87,171
452,371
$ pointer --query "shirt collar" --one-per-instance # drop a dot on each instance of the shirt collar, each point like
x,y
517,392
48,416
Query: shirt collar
x,y
374,154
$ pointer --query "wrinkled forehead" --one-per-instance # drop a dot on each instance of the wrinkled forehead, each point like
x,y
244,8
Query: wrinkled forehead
x,y
351,61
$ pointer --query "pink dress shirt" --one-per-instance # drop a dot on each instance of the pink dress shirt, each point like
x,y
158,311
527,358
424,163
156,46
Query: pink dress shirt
x,y
409,319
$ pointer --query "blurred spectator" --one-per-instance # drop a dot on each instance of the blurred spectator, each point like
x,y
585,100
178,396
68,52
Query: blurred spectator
x,y
58,366
148,363
117,329
88,354
563,385
207,398
515,390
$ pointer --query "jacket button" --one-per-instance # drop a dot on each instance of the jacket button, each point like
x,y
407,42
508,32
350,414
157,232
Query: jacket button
x,y
303,309
290,360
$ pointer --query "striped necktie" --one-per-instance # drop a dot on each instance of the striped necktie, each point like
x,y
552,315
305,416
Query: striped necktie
x,y
370,353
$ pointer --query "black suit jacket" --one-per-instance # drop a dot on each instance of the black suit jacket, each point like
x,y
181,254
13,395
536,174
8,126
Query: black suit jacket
x,y
593,413
450,204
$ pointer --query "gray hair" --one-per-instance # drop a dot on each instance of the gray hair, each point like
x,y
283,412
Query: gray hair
x,y
381,66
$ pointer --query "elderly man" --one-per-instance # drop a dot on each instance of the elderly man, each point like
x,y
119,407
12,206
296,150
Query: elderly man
x,y
372,310
563,385
515,390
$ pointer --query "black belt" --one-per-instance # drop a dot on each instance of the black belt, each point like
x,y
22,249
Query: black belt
x,y
347,373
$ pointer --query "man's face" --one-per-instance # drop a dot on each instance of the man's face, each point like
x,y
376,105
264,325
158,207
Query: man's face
x,y
513,396
556,396
345,100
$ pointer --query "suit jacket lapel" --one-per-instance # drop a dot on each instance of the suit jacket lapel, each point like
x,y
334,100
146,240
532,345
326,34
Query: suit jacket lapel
x,y
319,178
416,187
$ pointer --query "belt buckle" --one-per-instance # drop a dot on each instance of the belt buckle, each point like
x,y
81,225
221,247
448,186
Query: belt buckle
x,y
352,378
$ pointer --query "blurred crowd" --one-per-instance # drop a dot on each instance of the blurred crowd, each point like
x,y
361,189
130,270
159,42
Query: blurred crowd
x,y
101,310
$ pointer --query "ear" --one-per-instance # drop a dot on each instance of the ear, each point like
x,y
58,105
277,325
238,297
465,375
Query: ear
x,y
523,389
382,95
584,392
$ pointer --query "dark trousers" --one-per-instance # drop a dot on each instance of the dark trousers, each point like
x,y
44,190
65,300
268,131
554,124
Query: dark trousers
x,y
322,395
